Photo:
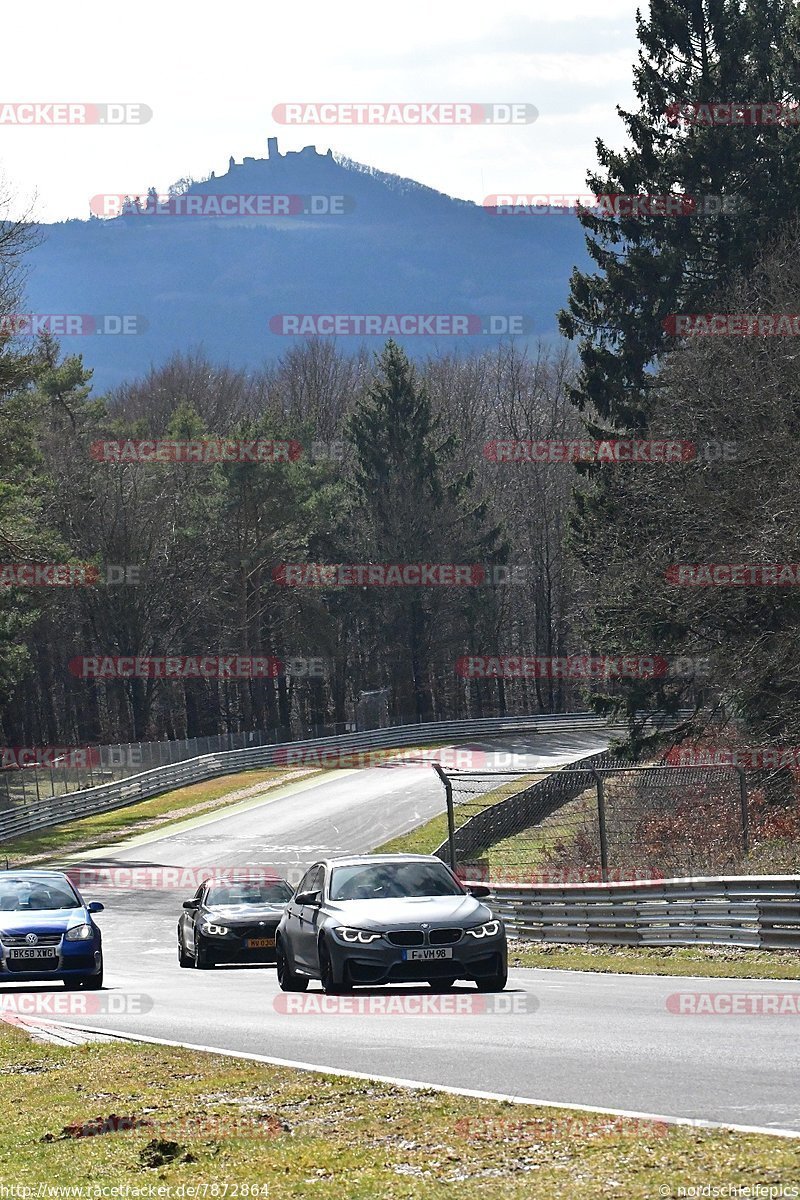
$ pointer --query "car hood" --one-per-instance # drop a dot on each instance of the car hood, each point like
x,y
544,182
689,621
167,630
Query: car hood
x,y
42,921
245,914
407,914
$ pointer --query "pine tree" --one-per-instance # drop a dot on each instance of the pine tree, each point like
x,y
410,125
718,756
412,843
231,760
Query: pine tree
x,y
411,511
653,266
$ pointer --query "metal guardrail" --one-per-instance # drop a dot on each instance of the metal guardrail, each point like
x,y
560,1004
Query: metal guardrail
x,y
26,818
750,911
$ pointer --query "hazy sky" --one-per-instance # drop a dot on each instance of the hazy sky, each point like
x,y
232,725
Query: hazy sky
x,y
212,75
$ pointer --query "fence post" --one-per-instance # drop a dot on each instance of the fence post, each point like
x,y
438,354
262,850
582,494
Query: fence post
x,y
744,810
601,820
451,819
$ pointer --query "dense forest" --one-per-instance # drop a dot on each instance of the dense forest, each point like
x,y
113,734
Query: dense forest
x,y
587,559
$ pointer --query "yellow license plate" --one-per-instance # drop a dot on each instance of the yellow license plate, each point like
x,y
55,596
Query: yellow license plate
x,y
259,943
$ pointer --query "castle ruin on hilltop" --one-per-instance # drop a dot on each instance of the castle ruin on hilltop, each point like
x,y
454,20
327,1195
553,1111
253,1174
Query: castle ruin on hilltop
x,y
273,154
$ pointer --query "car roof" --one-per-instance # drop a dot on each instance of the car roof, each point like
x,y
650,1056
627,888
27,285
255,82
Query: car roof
x,y
352,860
33,876
228,883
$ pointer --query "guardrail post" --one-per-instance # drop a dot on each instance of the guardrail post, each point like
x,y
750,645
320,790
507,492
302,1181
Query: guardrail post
x,y
601,821
744,810
451,817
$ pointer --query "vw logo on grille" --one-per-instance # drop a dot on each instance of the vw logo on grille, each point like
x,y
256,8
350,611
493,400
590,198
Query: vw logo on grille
x,y
31,938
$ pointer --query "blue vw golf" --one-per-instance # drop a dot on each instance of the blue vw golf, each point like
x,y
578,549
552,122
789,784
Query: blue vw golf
x,y
47,931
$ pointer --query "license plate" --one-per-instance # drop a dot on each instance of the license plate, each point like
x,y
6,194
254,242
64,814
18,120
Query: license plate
x,y
259,943
34,952
426,954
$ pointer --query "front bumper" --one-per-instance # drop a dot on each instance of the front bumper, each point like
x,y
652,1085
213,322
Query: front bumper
x,y
384,963
73,960
232,948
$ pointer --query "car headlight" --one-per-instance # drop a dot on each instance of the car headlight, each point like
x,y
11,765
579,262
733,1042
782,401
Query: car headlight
x,y
490,929
214,930
363,936
79,933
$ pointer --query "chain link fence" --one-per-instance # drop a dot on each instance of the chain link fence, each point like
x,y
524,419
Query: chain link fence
x,y
599,820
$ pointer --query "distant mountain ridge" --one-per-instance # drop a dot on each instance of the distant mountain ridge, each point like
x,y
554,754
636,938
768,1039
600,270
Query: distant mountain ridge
x,y
388,245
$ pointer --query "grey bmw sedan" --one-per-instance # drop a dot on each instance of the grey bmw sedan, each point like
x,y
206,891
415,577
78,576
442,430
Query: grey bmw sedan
x,y
388,918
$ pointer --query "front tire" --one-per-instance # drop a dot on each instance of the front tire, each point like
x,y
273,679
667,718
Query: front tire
x,y
93,983
184,960
330,984
203,958
493,983
287,980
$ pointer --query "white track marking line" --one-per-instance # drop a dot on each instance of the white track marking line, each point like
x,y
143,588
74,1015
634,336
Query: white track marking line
x,y
417,1085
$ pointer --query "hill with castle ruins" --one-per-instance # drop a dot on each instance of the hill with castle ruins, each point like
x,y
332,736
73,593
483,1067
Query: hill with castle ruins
x,y
293,245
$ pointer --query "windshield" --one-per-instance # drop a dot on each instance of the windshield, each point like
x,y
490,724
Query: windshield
x,y
391,881
249,893
26,895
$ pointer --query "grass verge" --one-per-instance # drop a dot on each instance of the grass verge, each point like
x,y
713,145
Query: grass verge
x,y
107,828
714,962
214,1120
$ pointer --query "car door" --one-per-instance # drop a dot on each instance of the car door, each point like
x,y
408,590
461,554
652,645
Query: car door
x,y
304,941
189,918
291,923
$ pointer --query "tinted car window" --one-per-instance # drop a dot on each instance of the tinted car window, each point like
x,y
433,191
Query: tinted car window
x,y
315,880
384,881
306,880
249,893
27,895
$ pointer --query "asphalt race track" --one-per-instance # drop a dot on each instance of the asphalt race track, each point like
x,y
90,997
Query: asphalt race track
x,y
609,1041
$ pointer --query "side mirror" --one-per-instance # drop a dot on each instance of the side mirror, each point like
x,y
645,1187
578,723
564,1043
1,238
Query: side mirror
x,y
190,904
95,907
310,898
479,890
